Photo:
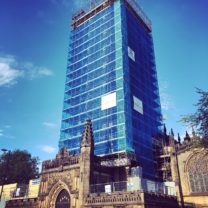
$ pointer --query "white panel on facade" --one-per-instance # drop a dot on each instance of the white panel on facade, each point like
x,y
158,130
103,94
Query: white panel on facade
x,y
108,101
107,188
131,54
138,105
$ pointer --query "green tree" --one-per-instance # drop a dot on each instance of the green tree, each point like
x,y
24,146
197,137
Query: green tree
x,y
199,119
18,167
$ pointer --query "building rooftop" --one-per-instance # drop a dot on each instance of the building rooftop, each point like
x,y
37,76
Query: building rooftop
x,y
96,6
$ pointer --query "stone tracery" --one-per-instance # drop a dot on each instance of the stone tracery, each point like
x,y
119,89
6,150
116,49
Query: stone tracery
x,y
197,171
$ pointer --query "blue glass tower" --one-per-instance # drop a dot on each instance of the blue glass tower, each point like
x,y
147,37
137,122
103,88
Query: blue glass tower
x,y
111,79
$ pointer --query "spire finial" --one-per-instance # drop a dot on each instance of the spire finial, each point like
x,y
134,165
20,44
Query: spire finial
x,y
187,137
171,132
87,136
193,132
179,139
164,130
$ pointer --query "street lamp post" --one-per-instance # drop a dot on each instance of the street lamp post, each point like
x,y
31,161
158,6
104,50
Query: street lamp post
x,y
7,164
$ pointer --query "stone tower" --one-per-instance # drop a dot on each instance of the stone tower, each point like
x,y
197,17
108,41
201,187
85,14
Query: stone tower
x,y
86,162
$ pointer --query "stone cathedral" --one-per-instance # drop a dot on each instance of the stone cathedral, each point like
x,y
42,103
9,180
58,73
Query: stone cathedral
x,y
85,180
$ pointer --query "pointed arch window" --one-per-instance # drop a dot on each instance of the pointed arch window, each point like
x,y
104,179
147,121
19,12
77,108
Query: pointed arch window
x,y
197,169
63,200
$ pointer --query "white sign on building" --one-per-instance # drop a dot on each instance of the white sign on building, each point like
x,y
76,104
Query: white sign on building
x,y
131,54
107,188
138,105
108,101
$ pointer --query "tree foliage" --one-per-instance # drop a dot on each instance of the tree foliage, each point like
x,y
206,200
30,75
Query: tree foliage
x,y
199,119
18,167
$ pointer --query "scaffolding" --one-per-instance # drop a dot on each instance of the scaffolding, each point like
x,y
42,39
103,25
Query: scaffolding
x,y
162,154
96,6
93,9
140,13
119,159
140,184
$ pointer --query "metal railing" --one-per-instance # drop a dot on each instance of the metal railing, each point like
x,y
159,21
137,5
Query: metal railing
x,y
140,13
95,3
134,185
109,187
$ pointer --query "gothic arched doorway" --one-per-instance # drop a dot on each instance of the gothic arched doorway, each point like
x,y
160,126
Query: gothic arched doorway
x,y
63,200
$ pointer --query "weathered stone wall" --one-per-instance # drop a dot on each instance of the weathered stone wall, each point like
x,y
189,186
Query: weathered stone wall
x,y
199,201
54,181
185,159
20,203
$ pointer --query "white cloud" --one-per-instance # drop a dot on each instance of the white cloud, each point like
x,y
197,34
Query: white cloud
x,y
48,149
11,70
9,59
8,73
33,72
4,132
50,125
165,99
45,72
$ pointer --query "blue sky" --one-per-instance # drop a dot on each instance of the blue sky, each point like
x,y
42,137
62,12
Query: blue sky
x,y
33,55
